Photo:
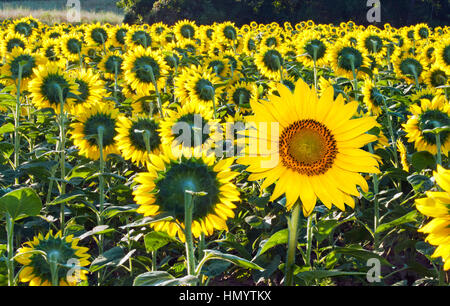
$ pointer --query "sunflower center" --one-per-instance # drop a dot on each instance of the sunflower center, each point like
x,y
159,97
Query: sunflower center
x,y
196,125
411,66
145,66
446,55
91,129
99,35
187,31
120,35
23,28
14,42
112,63
350,58
308,147
271,41
188,175
241,96
203,89
315,48
51,87
251,45
423,32
438,78
28,63
230,32
74,46
273,60
431,119
373,43
141,38
217,66
137,137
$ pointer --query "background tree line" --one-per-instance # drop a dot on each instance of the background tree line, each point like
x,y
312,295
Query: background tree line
x,y
396,12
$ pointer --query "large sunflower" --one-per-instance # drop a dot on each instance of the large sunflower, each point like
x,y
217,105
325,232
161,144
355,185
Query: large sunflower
x,y
162,190
85,130
437,206
429,115
64,250
310,147
131,138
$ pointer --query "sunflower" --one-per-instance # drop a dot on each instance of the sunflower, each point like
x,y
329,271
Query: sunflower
x,y
312,46
11,41
372,97
249,43
162,190
436,206
241,93
226,32
89,121
421,31
51,50
118,34
28,60
111,65
181,81
429,115
203,87
96,35
50,85
91,89
425,93
72,47
345,59
435,77
185,29
136,37
269,63
131,138
218,64
372,43
407,65
189,126
63,250
442,53
143,66
315,154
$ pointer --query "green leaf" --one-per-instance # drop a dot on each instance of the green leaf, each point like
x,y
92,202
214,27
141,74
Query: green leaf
x,y
325,227
100,229
422,160
156,240
21,203
109,258
309,276
420,183
361,254
7,128
66,197
238,261
280,237
409,217
163,278
148,220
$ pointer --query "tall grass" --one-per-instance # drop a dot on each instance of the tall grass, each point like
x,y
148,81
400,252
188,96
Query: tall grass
x,y
55,11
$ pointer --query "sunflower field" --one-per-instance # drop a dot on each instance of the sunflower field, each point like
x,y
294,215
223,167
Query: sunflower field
x,y
202,155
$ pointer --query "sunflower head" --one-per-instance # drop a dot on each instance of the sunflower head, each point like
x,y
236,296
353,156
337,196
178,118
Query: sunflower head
x,y
36,257
162,190
269,62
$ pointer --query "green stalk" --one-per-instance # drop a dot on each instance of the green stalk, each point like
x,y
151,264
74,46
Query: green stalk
x,y
158,96
376,205
315,65
154,256
53,262
62,150
309,238
17,124
188,210
355,81
100,132
438,147
293,224
10,248
391,132
115,80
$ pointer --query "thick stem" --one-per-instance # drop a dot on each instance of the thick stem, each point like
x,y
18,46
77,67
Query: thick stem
x,y
438,148
100,132
62,150
10,248
188,209
309,238
293,224
17,124
376,206
158,96
391,132
53,263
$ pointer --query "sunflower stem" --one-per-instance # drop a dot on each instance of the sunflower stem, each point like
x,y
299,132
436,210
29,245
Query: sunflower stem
x,y
61,149
315,49
391,131
154,256
53,263
376,206
115,80
438,148
309,238
355,80
10,248
100,132
17,124
188,209
293,224
158,96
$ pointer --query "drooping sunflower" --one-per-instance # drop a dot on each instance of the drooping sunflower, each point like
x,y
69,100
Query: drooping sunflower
x,y
346,59
118,34
185,29
111,65
143,66
372,43
310,147
429,115
436,206
218,64
311,45
131,138
189,126
269,62
96,35
11,41
91,89
435,76
408,66
64,250
28,60
50,85
421,31
372,97
138,36
226,32
202,87
241,93
86,129
72,47
426,93
162,190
